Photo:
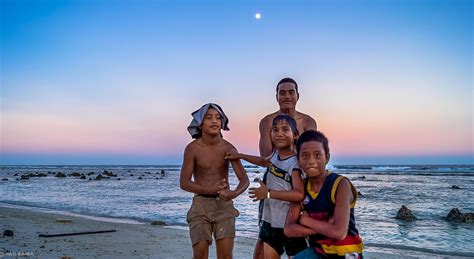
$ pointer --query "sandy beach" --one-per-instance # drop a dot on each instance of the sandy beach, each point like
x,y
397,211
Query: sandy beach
x,y
128,240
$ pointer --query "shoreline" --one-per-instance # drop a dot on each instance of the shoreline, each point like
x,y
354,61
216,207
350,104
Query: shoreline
x,y
130,239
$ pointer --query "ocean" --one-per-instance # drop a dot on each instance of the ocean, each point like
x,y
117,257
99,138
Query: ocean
x,y
143,194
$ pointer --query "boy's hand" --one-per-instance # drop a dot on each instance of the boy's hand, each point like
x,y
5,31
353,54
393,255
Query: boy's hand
x,y
232,155
218,186
303,217
259,193
226,194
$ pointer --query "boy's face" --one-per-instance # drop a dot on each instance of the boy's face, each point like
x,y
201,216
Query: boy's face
x,y
212,122
312,158
282,135
287,95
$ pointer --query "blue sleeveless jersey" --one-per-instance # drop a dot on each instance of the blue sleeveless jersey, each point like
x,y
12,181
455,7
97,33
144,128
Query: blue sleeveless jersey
x,y
321,206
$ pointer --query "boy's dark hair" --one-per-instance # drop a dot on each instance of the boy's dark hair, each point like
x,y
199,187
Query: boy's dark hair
x,y
291,122
287,80
313,135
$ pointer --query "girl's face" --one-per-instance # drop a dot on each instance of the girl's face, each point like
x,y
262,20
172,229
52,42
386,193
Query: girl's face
x,y
282,135
312,158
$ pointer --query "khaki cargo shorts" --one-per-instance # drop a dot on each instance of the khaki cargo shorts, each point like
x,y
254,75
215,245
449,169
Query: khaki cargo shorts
x,y
211,215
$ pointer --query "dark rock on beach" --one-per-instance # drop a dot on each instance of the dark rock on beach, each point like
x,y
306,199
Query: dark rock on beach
x,y
83,177
8,233
158,223
256,180
75,174
4,179
455,187
405,214
24,177
455,215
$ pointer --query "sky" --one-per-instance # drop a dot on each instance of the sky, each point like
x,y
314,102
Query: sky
x,y
115,82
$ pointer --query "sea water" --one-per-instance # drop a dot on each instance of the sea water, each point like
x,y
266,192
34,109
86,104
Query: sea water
x,y
144,194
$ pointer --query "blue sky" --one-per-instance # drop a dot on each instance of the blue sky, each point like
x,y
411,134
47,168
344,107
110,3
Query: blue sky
x,y
114,82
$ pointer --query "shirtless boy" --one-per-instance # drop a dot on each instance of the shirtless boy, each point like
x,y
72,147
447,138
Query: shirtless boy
x,y
205,173
287,96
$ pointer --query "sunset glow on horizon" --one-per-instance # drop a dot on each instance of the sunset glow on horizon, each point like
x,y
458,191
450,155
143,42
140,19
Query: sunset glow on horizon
x,y
115,82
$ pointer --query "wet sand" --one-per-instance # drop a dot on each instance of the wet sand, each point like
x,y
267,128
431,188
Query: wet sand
x,y
128,240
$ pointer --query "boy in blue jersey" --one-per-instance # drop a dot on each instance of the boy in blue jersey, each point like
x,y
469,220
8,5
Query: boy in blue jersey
x,y
326,214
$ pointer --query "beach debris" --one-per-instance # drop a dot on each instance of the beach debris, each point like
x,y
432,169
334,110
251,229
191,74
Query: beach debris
x,y
257,172
455,215
66,257
77,233
405,214
8,233
455,187
63,221
59,174
158,223
361,177
5,179
359,193
256,180
140,178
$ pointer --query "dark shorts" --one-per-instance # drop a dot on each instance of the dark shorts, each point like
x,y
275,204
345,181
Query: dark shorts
x,y
278,241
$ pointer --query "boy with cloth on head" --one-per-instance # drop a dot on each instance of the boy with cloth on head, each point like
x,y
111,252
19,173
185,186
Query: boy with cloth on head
x,y
205,173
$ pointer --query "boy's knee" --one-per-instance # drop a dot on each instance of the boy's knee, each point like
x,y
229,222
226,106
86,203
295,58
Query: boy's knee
x,y
201,249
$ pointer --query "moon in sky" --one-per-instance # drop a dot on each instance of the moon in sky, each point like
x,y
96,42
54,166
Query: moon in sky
x,y
258,16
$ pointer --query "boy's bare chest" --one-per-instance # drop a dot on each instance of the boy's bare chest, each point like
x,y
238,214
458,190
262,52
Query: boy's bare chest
x,y
211,158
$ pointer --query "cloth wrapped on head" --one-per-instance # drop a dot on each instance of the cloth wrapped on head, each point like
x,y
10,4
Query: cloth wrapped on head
x,y
198,117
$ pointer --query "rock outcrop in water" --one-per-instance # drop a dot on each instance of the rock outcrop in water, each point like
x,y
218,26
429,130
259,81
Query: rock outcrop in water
x,y
60,175
405,214
455,215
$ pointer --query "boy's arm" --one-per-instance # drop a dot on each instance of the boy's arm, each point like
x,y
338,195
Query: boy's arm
x,y
256,160
265,144
292,227
337,228
187,170
244,182
310,124
296,194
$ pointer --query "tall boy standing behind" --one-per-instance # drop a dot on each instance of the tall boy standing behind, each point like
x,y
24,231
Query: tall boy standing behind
x,y
212,211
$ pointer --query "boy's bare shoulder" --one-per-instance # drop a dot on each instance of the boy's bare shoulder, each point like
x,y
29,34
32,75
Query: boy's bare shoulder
x,y
226,144
191,147
269,117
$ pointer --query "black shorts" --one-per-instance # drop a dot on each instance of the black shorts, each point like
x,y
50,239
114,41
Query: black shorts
x,y
278,241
